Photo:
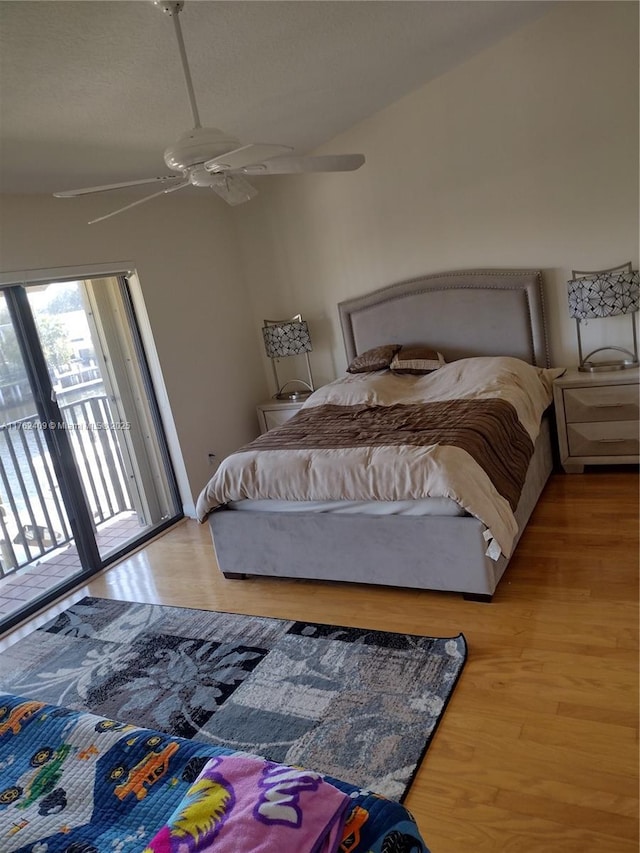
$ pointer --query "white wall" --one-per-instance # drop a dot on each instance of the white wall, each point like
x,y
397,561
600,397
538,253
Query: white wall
x,y
186,256
526,156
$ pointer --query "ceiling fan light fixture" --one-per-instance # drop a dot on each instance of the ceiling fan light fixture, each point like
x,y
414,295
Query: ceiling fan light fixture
x,y
234,189
199,177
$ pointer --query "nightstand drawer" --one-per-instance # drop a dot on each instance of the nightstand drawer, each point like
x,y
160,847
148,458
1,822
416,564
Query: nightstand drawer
x,y
276,417
613,438
604,403
275,413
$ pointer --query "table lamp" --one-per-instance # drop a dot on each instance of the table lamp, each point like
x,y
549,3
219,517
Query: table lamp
x,y
283,338
605,293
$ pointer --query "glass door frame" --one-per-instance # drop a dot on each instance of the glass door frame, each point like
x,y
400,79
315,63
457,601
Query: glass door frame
x,y
57,440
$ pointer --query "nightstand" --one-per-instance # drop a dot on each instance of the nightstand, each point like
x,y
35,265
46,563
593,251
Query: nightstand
x,y
597,418
274,412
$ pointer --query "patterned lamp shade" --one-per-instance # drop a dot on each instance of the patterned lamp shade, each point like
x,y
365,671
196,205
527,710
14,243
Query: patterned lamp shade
x,y
288,337
604,294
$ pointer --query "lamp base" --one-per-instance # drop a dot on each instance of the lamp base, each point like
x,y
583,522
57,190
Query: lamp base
x,y
294,395
595,366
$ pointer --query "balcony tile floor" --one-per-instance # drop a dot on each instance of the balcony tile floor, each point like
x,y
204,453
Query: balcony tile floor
x,y
46,572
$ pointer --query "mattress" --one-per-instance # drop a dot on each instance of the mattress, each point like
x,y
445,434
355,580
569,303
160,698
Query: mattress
x,y
420,507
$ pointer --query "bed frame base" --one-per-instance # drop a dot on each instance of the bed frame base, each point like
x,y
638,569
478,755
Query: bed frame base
x,y
482,599
383,550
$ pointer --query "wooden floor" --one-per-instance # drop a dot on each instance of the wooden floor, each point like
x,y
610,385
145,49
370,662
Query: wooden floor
x,y
538,747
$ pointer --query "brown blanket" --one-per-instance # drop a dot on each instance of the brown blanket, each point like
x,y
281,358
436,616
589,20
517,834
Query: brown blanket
x,y
488,430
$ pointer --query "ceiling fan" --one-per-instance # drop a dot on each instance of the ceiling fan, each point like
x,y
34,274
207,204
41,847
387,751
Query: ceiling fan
x,y
208,157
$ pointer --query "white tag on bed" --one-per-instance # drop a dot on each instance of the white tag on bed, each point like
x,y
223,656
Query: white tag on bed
x,y
493,551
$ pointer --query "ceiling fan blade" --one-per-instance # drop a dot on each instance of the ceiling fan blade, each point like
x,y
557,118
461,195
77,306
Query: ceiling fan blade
x,y
295,165
122,185
139,201
247,155
234,189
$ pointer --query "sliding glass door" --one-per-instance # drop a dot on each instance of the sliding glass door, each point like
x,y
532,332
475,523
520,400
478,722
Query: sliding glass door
x,y
84,471
34,511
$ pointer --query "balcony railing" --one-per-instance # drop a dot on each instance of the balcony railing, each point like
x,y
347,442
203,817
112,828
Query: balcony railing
x,y
33,521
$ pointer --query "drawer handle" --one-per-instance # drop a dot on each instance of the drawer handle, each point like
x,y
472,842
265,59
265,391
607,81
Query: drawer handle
x,y
611,440
607,405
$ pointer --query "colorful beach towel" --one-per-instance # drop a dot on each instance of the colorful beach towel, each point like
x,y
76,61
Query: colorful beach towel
x,y
244,804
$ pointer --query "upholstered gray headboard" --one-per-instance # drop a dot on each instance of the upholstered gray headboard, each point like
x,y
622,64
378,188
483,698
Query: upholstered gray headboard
x,y
461,314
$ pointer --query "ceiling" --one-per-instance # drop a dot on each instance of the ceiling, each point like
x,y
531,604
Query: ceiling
x,y
92,92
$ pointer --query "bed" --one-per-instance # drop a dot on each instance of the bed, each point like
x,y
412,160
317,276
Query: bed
x,y
465,315
73,782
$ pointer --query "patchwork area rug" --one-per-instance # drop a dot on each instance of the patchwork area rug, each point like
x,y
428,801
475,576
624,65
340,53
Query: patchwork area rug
x,y
358,705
